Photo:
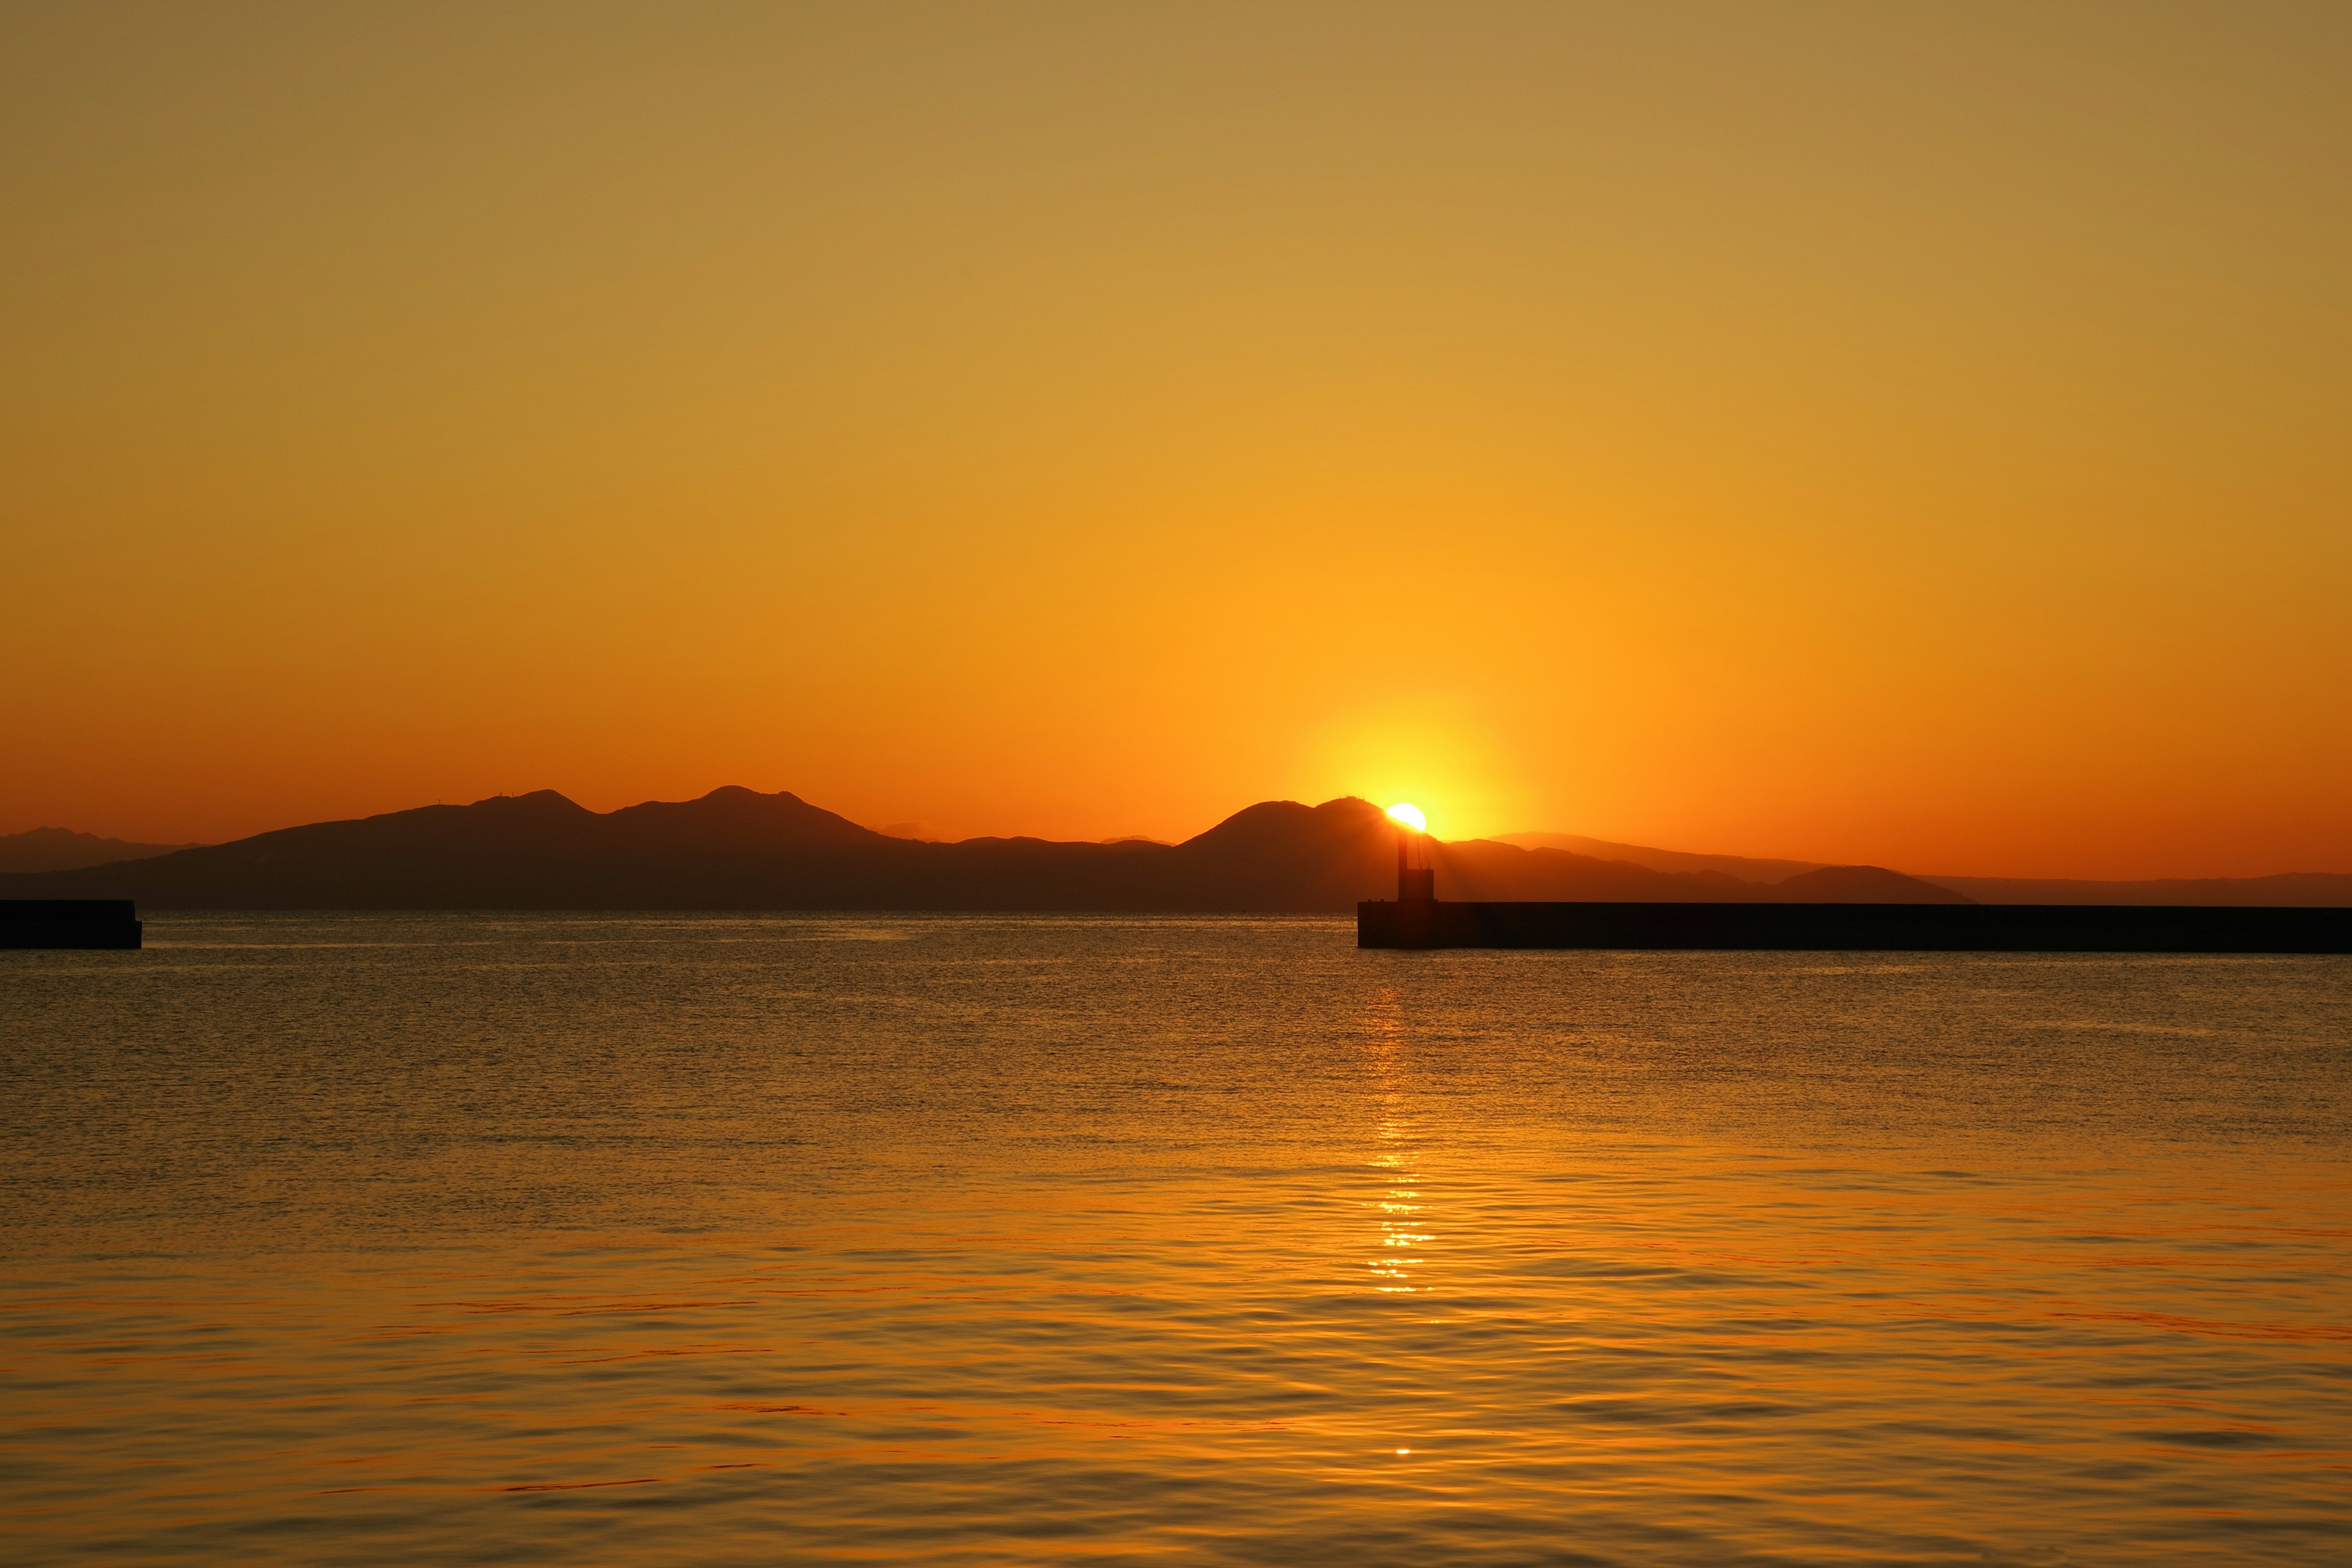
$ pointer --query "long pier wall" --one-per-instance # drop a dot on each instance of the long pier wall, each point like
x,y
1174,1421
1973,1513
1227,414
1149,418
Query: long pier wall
x,y
69,922
1850,928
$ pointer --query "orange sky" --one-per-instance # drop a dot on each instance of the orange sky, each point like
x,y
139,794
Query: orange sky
x,y
1848,431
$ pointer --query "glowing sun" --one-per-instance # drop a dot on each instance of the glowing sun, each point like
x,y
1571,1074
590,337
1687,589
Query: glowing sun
x,y
1408,815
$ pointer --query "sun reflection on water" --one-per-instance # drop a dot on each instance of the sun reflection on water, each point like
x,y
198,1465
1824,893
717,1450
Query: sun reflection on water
x,y
1400,1224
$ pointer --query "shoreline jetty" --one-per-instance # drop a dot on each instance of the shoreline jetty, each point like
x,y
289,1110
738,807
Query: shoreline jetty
x,y
1855,928
70,922
1417,917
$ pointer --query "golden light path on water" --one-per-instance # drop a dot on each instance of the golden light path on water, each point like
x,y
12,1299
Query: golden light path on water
x,y
1401,1229
699,1239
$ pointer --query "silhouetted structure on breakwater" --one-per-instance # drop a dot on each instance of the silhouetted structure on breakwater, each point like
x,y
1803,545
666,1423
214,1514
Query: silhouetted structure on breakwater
x,y
69,922
1419,918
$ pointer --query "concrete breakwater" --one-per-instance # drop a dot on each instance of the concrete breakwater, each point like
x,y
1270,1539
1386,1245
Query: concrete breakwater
x,y
1897,928
69,922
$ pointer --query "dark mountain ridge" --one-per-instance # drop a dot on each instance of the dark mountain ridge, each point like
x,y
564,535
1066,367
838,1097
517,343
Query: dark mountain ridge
x,y
736,848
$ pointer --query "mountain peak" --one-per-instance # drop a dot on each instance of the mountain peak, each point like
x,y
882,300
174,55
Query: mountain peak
x,y
1861,885
544,800
734,813
1288,821
66,850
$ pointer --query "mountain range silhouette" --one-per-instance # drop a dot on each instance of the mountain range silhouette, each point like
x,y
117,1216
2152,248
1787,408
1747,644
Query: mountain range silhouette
x,y
735,849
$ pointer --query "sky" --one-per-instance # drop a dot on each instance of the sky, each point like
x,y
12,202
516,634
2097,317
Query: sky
x,y
1901,433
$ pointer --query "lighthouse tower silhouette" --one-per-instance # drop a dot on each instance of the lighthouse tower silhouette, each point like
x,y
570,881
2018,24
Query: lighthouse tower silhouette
x,y
1413,882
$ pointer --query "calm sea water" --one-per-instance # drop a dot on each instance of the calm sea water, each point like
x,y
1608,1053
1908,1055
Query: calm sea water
x,y
404,1239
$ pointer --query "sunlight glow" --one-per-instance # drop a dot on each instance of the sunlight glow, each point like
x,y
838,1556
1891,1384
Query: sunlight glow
x,y
1410,815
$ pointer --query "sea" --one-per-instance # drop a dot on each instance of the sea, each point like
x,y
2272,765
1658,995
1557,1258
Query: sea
x,y
727,1239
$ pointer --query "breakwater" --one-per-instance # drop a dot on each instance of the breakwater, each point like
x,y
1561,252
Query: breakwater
x,y
69,922
1899,928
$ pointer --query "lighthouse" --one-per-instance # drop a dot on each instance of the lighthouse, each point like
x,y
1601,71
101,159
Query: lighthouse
x,y
1414,883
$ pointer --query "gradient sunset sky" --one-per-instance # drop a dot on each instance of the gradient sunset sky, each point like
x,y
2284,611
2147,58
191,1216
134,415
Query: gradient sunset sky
x,y
1905,434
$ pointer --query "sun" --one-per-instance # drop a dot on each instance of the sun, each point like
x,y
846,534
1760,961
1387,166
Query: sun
x,y
1407,815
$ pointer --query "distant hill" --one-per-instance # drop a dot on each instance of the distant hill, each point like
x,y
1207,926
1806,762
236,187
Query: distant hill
x,y
737,849
2309,888
63,849
1746,867
2321,889
1861,884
